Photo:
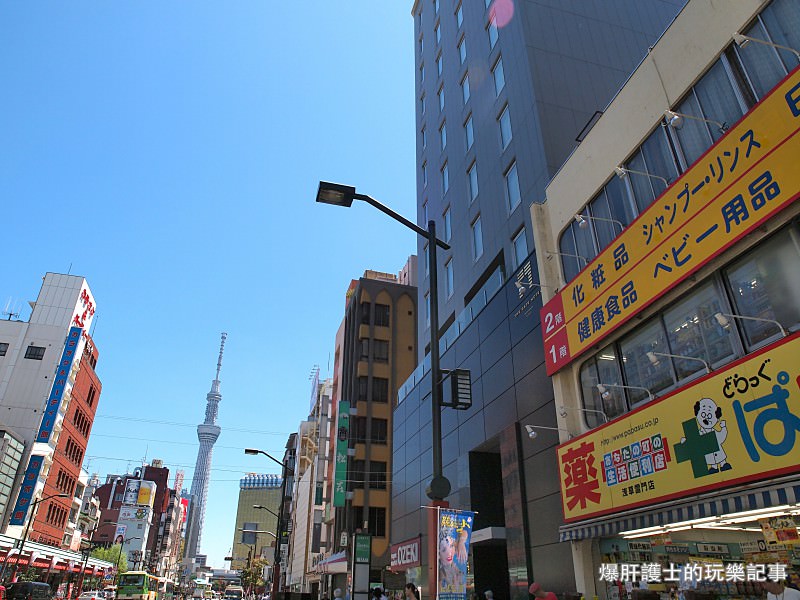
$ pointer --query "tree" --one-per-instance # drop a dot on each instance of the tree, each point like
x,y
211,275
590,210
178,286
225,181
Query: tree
x,y
252,575
112,555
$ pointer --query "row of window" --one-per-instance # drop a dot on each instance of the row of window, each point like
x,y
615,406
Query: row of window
x,y
375,518
730,87
73,451
381,312
380,350
751,302
34,352
380,389
65,482
376,433
56,515
81,422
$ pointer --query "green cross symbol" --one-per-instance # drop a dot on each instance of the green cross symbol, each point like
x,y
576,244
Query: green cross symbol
x,y
695,448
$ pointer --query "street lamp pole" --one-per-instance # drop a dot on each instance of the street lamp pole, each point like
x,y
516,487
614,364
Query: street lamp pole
x,y
343,195
34,505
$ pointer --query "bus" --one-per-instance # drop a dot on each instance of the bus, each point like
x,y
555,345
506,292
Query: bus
x,y
233,592
137,585
202,590
166,589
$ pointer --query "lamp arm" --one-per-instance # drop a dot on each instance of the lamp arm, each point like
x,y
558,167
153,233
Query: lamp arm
x,y
400,218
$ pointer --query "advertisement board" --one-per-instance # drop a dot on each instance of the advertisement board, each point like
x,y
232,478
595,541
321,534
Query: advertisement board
x,y
71,348
732,426
748,176
405,555
340,470
26,490
455,530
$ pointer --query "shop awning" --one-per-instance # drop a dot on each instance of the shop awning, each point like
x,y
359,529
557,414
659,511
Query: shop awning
x,y
335,563
731,501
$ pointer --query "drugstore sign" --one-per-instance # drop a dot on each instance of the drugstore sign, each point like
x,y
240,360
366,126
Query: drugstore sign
x,y
735,425
743,180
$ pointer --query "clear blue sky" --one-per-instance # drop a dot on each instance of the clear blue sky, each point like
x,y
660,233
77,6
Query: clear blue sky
x,y
170,152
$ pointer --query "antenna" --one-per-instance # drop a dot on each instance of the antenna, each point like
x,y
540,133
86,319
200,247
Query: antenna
x,y
9,311
221,349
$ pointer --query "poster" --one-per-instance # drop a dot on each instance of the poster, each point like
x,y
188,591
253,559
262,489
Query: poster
x,y
455,530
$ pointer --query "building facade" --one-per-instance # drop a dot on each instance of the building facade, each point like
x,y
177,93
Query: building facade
x,y
672,344
504,90
256,489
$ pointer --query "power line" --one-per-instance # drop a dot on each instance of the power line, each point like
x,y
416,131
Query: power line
x,y
192,425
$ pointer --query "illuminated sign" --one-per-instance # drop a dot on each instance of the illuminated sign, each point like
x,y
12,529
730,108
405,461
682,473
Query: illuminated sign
x,y
735,425
26,491
405,555
743,180
340,470
59,385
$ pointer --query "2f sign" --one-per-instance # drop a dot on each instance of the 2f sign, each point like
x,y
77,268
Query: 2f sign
x,y
554,333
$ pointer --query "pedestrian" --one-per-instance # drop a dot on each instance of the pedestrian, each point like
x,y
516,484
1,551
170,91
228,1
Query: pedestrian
x,y
537,592
777,590
489,595
411,591
337,594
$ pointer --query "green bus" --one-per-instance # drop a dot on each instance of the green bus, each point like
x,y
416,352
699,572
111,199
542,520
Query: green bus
x,y
137,585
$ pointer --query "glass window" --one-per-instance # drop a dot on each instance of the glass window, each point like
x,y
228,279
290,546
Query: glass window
x,y
440,94
499,76
477,239
380,389
654,168
505,127
520,244
427,309
693,136
491,30
640,370
465,88
445,179
422,72
459,15
448,277
448,231
443,136
692,330
35,352
424,136
512,187
603,370
3,348
380,350
436,6
718,99
765,285
761,63
439,65
377,475
472,174
427,258
462,50
422,104
437,33
424,174
782,18
469,132
425,212
421,45
382,313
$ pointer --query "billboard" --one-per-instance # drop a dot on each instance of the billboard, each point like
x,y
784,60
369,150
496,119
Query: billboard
x,y
405,555
748,176
340,469
26,491
735,425
59,384
455,530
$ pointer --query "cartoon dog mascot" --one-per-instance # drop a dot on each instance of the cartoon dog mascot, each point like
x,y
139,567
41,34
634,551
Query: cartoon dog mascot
x,y
708,415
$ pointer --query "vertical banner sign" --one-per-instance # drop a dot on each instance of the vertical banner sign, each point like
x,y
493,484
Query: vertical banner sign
x,y
455,530
26,491
59,384
363,549
340,473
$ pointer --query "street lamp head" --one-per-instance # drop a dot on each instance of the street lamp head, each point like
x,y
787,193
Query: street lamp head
x,y
336,194
251,451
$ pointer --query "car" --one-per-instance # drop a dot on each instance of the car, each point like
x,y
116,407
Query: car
x,y
92,595
28,590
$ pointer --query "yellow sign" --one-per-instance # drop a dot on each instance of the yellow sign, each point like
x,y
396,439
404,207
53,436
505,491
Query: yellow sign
x,y
736,425
747,177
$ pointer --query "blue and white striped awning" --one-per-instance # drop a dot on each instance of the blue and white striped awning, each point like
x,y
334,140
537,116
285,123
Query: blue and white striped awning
x,y
732,501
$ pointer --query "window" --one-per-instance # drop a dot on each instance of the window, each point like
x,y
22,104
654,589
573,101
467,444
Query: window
x,y
486,3
379,429
491,31
380,389
465,88
424,137
520,244
436,6
425,212
382,312
505,127
427,257
448,229
424,174
365,310
34,352
377,521
477,239
427,309
472,177
439,65
380,350
421,45
437,33
499,76
90,396
422,104
445,179
443,135
3,348
459,15
448,277
362,388
440,94
377,475
364,348
357,472
655,158
469,132
512,187
462,50
422,72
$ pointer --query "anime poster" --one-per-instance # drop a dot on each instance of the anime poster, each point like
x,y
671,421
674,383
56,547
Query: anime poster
x,y
455,529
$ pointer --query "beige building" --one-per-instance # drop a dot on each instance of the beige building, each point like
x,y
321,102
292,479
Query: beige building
x,y
256,489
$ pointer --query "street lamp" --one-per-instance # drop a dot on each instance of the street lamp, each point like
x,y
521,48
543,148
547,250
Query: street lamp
x,y
277,559
32,513
119,560
343,195
269,510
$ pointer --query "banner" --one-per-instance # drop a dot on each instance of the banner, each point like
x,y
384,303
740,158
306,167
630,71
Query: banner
x,y
455,530
340,471
119,534
733,426
59,384
748,176
26,490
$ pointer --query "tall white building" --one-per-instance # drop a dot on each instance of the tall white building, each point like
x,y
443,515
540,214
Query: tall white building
x,y
207,433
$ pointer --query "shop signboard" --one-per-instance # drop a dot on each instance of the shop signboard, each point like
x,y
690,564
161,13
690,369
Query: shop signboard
x,y
676,548
735,425
712,548
749,175
405,555
362,549
340,470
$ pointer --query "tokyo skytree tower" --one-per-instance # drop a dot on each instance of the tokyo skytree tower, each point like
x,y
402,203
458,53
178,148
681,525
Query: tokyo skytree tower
x,y
207,433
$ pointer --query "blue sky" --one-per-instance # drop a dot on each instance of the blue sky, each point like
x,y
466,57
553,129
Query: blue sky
x,y
170,153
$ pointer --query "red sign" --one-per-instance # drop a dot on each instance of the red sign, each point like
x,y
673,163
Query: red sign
x,y
405,555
